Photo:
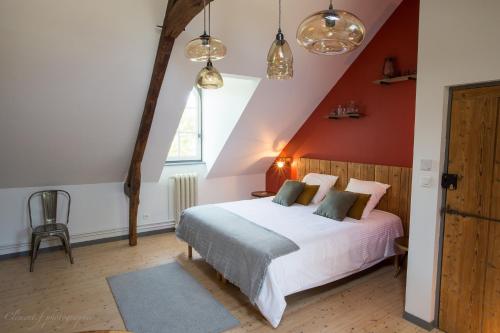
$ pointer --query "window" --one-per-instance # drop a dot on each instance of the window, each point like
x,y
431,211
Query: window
x,y
186,146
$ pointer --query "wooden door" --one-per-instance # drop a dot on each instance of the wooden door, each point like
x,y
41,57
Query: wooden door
x,y
470,276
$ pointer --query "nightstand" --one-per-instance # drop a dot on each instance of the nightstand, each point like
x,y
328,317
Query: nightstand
x,y
400,245
262,194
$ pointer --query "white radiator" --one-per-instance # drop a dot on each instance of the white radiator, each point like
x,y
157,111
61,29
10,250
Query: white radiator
x,y
185,192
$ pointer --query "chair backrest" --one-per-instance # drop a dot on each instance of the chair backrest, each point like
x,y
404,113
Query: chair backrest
x,y
49,205
49,200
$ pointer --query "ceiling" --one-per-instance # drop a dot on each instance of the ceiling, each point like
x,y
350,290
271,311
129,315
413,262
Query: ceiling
x,y
74,76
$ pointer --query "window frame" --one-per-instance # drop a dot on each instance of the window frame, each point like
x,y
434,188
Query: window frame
x,y
199,94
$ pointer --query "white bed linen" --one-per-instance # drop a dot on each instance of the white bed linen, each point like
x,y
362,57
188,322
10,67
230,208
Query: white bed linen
x,y
329,250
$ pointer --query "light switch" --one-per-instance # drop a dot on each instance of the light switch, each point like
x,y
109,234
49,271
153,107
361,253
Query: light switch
x,y
426,165
425,181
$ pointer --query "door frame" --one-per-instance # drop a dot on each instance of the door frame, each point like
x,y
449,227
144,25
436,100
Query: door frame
x,y
450,91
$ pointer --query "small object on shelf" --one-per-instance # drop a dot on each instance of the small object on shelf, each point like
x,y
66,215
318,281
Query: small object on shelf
x,y
262,194
350,110
411,77
389,69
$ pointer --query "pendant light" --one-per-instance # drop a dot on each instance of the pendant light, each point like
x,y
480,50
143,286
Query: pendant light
x,y
331,32
209,77
280,58
199,48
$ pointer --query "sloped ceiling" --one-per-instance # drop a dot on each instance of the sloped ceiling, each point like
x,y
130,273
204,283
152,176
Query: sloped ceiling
x,y
73,80
74,76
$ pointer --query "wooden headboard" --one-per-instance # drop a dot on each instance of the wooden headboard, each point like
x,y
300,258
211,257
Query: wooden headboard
x,y
396,200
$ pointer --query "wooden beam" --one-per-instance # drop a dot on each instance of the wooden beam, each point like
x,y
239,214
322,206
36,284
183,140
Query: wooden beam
x,y
177,16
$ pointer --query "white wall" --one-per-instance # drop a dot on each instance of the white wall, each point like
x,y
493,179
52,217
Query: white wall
x,y
458,44
101,210
222,109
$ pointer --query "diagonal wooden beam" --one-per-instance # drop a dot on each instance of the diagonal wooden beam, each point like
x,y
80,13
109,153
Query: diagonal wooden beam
x,y
177,16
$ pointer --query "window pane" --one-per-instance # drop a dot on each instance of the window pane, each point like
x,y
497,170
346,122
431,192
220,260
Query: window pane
x,y
189,121
186,144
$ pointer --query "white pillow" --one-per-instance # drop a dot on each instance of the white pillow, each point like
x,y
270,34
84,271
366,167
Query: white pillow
x,y
325,183
376,189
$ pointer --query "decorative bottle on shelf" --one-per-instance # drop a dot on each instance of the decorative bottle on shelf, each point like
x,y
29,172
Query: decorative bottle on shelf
x,y
352,108
389,69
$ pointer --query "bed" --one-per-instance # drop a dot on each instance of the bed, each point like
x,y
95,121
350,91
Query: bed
x,y
329,250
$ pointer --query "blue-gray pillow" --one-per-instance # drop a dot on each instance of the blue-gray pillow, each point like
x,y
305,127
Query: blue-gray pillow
x,y
336,204
289,192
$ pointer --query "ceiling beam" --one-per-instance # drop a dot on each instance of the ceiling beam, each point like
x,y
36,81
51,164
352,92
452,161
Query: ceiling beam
x,y
177,16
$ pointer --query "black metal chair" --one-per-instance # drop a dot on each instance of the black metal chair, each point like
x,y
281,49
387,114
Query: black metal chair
x,y
50,227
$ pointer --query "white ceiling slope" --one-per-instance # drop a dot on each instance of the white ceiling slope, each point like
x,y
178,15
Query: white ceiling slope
x,y
278,108
73,80
74,76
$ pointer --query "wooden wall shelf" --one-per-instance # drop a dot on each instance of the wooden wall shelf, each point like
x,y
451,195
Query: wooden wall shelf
x,y
412,77
350,115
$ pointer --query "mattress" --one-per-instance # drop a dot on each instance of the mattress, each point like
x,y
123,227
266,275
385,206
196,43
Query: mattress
x,y
329,249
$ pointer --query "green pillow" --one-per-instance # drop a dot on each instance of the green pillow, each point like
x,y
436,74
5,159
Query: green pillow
x,y
336,205
289,192
307,194
356,211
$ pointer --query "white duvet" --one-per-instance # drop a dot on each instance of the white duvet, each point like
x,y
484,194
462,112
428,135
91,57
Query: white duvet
x,y
329,250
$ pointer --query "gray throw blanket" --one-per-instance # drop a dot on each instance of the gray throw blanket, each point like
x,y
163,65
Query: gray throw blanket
x,y
236,247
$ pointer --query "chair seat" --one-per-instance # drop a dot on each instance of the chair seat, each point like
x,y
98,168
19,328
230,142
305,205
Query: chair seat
x,y
52,228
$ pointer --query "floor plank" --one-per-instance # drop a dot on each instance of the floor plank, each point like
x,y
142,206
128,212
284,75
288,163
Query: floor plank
x,y
60,297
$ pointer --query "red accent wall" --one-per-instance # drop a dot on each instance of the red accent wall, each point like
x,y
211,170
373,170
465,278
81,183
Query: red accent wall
x,y
385,134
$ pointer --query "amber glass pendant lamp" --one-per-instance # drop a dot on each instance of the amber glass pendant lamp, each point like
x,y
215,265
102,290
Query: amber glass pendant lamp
x,y
280,58
209,77
331,32
205,46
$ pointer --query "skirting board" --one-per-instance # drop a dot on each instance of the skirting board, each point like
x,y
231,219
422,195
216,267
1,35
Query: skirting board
x,y
429,326
86,238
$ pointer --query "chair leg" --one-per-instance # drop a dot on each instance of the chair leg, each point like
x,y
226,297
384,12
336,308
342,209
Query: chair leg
x,y
63,241
67,246
32,245
62,238
67,235
38,242
34,251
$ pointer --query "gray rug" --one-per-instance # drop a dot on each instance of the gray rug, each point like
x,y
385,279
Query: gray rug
x,y
167,299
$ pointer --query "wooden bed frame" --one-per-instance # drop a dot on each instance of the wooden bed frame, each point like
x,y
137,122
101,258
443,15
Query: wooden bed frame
x,y
396,200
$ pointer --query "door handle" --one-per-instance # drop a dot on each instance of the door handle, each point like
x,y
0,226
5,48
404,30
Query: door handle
x,y
449,181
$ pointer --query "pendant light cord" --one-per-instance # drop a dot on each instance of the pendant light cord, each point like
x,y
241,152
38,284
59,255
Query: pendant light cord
x,y
279,15
204,18
331,5
209,63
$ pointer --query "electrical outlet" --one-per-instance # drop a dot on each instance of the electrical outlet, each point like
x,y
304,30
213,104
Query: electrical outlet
x,y
426,165
426,181
145,216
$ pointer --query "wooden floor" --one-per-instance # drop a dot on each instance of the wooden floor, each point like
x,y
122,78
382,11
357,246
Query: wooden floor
x,y
59,297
